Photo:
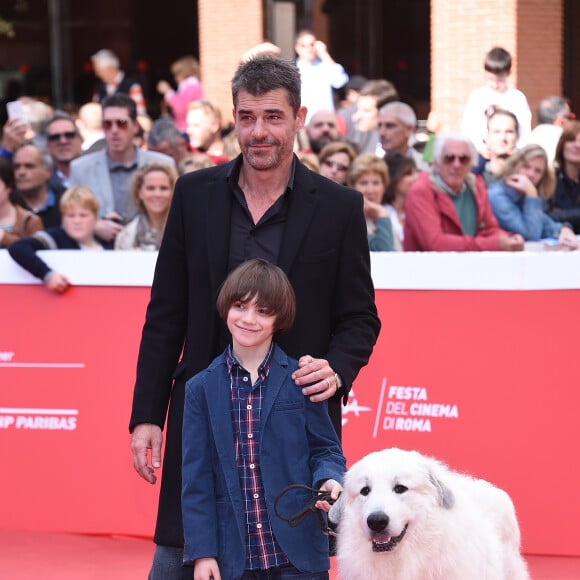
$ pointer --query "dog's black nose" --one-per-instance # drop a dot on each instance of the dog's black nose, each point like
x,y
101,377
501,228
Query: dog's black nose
x,y
378,521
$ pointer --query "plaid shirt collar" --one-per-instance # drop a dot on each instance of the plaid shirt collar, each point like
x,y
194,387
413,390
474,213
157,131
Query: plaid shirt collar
x,y
263,369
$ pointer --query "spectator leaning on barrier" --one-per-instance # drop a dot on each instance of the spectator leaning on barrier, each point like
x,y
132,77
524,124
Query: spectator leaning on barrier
x,y
566,202
448,208
80,210
519,199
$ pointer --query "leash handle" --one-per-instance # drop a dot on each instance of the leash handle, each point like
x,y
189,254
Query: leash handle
x,y
298,518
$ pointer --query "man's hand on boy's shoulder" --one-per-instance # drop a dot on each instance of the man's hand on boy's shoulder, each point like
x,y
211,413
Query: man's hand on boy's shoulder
x,y
317,373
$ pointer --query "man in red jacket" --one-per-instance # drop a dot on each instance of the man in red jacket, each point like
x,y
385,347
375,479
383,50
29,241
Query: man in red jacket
x,y
447,208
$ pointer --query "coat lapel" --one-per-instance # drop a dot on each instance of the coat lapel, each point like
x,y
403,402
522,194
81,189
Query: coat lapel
x,y
219,407
276,378
218,216
303,202
447,208
101,172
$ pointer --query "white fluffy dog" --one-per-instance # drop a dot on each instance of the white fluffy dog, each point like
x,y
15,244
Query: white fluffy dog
x,y
405,516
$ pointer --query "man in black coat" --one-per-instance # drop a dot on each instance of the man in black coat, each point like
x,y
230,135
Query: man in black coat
x,y
263,204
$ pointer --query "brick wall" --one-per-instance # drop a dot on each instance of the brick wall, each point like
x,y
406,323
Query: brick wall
x,y
540,41
227,28
461,34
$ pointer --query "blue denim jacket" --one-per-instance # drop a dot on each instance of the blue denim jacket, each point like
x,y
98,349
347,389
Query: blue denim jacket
x,y
521,214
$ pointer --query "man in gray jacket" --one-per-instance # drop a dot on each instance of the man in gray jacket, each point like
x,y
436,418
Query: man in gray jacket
x,y
108,172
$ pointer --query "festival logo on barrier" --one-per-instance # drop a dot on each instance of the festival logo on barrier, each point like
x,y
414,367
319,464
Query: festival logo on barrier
x,y
401,408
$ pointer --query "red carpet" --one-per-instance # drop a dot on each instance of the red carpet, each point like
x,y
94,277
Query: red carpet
x,y
35,555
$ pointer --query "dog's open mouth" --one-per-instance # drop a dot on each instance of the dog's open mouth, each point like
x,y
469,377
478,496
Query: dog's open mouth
x,y
385,543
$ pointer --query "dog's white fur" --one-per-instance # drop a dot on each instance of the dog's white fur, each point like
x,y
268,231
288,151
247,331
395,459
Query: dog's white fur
x,y
455,527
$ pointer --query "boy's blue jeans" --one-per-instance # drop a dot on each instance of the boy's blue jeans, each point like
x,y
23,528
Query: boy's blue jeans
x,y
168,565
286,572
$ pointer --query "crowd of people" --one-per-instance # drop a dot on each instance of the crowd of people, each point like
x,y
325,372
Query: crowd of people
x,y
274,216
483,188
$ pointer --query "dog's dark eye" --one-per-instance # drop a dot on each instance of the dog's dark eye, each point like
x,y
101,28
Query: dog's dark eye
x,y
400,489
365,490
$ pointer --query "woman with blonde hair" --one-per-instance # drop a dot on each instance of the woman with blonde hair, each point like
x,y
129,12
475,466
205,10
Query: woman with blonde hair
x,y
152,190
521,195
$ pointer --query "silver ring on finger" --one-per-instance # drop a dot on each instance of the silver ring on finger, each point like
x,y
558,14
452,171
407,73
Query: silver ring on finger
x,y
327,382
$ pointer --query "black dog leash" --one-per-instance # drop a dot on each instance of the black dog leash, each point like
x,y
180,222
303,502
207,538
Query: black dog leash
x,y
298,518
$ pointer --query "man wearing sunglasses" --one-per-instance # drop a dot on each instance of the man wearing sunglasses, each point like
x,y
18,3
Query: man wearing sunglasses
x,y
108,172
63,144
447,208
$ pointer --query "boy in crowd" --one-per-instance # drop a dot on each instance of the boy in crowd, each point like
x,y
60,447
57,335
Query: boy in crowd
x,y
496,94
80,210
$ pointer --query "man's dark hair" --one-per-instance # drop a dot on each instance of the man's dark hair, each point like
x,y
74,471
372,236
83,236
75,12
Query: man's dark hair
x,y
550,108
7,172
61,116
505,113
399,166
265,282
123,101
265,73
497,61
382,89
163,129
